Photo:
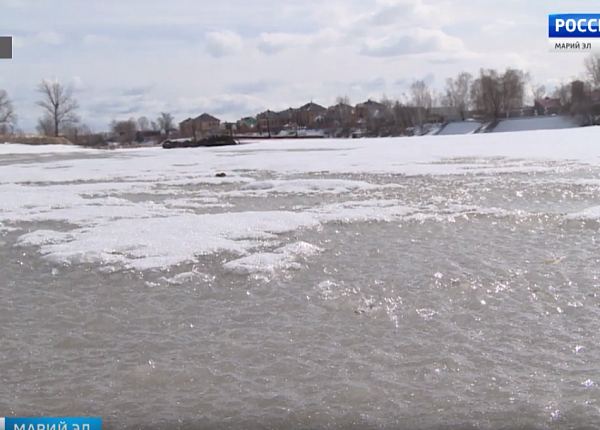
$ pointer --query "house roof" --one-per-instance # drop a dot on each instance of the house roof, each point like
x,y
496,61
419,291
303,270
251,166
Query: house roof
x,y
372,104
548,103
268,114
286,113
312,107
340,106
248,120
207,117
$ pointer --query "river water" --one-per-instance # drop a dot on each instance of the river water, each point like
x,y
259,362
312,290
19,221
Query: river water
x,y
355,300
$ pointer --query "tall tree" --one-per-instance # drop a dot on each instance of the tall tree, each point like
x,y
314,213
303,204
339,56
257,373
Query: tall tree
x,y
513,89
563,92
421,98
143,123
7,112
75,133
486,93
538,91
344,108
166,122
45,126
58,103
124,130
592,70
457,93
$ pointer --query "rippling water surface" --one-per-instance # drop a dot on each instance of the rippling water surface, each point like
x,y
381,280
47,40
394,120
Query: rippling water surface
x,y
388,301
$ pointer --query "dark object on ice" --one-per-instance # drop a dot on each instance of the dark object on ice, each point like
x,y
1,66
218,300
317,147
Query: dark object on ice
x,y
207,141
220,175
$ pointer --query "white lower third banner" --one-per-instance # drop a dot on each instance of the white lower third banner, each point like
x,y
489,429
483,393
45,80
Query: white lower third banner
x,y
569,44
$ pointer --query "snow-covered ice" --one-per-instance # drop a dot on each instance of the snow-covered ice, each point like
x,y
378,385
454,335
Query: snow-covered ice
x,y
150,208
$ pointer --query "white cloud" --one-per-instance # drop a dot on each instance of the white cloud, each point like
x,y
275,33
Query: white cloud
x,y
96,39
77,83
37,40
415,41
498,26
274,43
223,43
50,38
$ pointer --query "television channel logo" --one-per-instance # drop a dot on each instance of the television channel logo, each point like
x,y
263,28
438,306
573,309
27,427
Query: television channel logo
x,y
574,32
50,423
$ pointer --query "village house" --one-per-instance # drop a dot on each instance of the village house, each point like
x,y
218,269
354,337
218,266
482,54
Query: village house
x,y
547,106
287,118
247,125
273,122
343,114
309,115
268,122
199,126
370,110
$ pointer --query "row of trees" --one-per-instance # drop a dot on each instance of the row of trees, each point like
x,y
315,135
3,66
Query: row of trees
x,y
491,92
60,116
133,129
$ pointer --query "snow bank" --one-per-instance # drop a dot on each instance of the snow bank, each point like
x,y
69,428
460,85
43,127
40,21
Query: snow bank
x,y
463,127
17,149
535,123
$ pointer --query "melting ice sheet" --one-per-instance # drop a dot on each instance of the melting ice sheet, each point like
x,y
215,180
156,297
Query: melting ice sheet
x,y
153,208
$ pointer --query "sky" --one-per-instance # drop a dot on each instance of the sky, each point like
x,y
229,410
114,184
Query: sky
x,y
234,58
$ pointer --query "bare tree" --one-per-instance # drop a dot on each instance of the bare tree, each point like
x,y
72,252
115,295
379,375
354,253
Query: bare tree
x,y
403,114
422,99
563,92
7,112
389,107
75,133
342,100
143,123
513,91
194,129
538,91
344,109
592,69
124,130
166,122
45,126
457,93
486,93
154,126
58,102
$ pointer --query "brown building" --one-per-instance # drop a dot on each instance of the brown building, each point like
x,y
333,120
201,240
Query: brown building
x,y
273,122
201,125
247,125
371,109
342,114
268,122
309,114
547,106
